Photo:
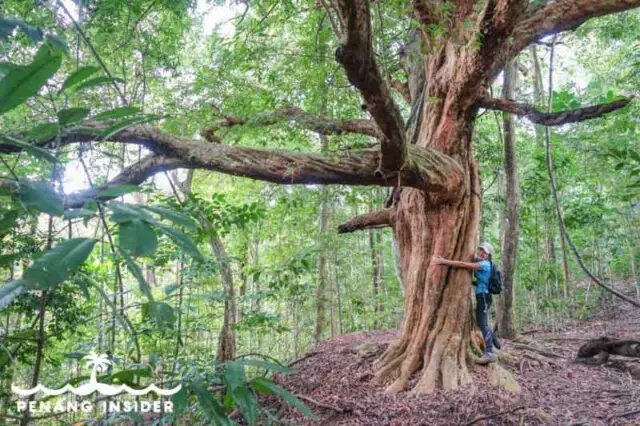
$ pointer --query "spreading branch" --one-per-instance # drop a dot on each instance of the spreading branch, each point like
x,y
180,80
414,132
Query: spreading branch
x,y
132,175
425,168
379,219
357,57
562,15
553,118
319,125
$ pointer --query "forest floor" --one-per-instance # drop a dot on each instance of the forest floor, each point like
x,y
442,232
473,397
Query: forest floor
x,y
335,381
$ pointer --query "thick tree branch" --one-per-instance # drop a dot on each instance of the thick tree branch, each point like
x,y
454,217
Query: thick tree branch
x,y
319,125
425,168
379,219
357,57
132,175
562,15
553,118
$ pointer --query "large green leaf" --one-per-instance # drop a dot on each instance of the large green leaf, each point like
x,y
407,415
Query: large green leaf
x,y
78,213
180,400
180,240
122,212
138,275
117,113
7,25
173,216
72,115
138,238
233,374
36,151
246,399
211,407
10,291
94,82
40,196
60,262
161,312
80,75
266,386
23,82
43,132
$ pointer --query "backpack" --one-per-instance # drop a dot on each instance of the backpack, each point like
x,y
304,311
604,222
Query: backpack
x,y
495,280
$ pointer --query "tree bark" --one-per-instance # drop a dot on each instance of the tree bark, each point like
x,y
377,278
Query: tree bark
x,y
511,209
227,339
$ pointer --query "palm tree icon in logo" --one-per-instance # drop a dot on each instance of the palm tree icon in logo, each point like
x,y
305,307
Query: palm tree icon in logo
x,y
99,363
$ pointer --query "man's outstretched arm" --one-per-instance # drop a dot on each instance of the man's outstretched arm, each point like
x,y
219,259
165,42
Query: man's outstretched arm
x,y
439,260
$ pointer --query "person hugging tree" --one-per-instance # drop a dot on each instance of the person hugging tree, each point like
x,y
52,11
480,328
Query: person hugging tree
x,y
482,272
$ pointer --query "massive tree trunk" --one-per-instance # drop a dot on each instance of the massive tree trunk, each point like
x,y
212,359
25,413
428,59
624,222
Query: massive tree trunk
x,y
435,331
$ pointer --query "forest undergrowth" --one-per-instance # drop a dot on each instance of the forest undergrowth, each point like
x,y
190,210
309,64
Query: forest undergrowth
x,y
550,388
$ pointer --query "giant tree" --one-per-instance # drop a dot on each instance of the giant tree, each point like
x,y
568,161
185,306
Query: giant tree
x,y
435,204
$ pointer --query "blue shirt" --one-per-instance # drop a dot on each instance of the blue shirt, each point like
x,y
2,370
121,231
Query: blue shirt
x,y
482,277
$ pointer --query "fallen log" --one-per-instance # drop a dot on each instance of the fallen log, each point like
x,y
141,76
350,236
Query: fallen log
x,y
630,348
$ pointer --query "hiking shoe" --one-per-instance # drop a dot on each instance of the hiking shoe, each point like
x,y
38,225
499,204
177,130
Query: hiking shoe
x,y
487,358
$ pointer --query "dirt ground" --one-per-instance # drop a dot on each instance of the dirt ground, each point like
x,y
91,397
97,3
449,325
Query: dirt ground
x,y
335,381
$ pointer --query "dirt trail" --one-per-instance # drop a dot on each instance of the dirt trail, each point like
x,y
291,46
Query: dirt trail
x,y
335,381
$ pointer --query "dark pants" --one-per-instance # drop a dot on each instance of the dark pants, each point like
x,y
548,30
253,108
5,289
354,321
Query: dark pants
x,y
482,317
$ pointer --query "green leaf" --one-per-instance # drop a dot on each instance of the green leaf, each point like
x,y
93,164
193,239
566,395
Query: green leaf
x,y
247,400
97,81
173,216
72,115
23,82
78,76
10,291
266,386
8,259
161,312
233,374
31,149
43,132
122,212
127,122
7,25
211,407
84,287
129,375
57,42
40,196
5,67
138,238
117,191
266,365
60,262
117,113
180,240
77,213
137,273
180,400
